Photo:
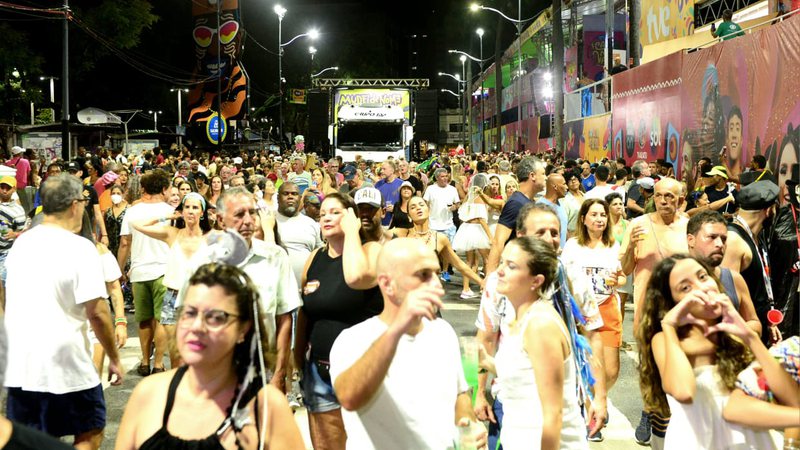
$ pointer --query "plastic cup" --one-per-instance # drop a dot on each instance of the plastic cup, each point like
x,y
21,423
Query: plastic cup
x,y
774,316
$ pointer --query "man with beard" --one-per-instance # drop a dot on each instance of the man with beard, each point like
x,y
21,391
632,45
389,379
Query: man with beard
x,y
747,249
298,232
707,236
370,213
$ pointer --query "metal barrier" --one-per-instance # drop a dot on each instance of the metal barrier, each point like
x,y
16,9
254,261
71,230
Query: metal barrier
x,y
590,100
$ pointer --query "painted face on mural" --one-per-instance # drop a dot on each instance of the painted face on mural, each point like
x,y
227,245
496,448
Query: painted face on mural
x,y
734,139
205,35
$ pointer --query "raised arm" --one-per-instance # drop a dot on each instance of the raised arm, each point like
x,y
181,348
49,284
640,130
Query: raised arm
x,y
359,262
157,228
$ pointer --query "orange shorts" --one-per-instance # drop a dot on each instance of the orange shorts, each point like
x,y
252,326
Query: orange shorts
x,y
611,331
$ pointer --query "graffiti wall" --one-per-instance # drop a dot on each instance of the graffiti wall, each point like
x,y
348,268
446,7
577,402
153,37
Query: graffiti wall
x,y
589,138
662,20
728,103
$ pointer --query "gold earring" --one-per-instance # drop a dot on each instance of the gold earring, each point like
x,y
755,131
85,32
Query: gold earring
x,y
241,339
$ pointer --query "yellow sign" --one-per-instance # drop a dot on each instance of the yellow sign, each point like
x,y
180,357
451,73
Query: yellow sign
x,y
298,96
663,20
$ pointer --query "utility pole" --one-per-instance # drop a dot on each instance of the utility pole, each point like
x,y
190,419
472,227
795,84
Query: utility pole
x,y
633,39
219,86
65,140
558,77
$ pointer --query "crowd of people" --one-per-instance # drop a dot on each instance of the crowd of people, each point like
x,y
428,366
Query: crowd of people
x,y
260,283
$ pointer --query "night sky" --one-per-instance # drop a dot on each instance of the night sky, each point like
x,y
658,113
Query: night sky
x,y
366,39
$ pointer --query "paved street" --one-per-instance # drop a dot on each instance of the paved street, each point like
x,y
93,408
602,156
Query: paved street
x,y
624,407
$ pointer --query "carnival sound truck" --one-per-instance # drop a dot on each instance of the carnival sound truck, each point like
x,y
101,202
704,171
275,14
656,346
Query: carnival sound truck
x,y
372,118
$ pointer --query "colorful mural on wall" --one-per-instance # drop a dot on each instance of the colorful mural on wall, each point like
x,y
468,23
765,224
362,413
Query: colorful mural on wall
x,y
662,20
728,103
203,97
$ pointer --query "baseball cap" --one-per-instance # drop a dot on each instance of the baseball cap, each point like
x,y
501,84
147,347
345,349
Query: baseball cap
x,y
16,150
237,160
349,172
408,185
368,196
759,195
72,166
9,180
646,183
719,170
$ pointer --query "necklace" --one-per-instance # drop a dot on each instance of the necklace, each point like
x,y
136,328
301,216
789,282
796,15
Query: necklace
x,y
424,233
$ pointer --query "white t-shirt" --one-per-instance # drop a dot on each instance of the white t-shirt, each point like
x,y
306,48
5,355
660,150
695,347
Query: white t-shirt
x,y
148,255
439,199
300,236
414,408
111,270
600,192
596,264
52,273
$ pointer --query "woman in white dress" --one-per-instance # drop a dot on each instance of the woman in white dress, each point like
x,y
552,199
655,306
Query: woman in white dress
x,y
534,361
689,360
473,237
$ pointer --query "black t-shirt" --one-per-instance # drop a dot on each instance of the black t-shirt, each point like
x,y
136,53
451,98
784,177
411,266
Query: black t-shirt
x,y
508,216
418,187
24,438
400,218
714,195
91,194
636,195
331,306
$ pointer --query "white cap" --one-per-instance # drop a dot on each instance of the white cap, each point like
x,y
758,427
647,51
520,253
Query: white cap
x,y
368,195
16,150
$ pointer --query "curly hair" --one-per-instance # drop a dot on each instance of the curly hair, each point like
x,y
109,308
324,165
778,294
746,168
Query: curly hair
x,y
731,356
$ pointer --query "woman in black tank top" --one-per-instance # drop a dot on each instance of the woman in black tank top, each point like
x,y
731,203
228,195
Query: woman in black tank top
x,y
210,403
339,290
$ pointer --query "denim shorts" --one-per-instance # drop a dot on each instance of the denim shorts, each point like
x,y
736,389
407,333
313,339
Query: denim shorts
x,y
318,394
59,415
168,307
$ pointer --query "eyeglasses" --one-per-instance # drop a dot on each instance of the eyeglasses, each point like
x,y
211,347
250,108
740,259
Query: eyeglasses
x,y
82,199
214,319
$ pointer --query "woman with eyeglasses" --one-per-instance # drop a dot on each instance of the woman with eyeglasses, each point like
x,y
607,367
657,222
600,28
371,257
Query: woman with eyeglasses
x,y
220,398
184,233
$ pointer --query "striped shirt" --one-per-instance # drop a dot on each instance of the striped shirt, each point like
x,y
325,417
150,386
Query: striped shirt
x,y
12,218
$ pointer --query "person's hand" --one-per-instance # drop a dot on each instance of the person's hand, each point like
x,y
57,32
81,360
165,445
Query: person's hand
x,y
350,223
115,372
729,198
485,360
104,240
479,436
598,412
730,321
638,234
389,207
423,301
680,314
483,410
775,335
267,219
611,280
121,334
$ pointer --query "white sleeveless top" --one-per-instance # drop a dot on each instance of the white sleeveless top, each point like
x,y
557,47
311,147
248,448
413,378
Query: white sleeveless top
x,y
179,266
522,407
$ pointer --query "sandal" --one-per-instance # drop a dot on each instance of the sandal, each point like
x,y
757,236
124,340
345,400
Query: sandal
x,y
143,369
158,370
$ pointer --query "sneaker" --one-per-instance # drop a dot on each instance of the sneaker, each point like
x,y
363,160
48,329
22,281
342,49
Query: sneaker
x,y
627,346
295,396
445,277
642,434
468,294
597,437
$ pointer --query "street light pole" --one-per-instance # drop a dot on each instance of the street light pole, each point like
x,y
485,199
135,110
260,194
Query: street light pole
x,y
180,113
155,119
280,11
65,144
519,73
464,102
482,126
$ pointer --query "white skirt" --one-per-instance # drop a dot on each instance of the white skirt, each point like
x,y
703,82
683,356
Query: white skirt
x,y
470,236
